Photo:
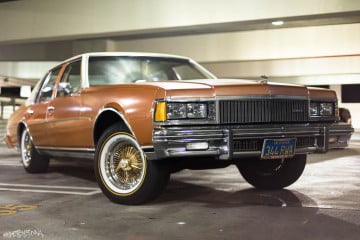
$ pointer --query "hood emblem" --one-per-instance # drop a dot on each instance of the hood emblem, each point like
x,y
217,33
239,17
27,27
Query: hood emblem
x,y
264,79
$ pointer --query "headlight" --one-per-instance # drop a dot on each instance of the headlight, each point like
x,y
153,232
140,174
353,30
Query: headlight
x,y
179,111
196,110
176,111
186,110
321,109
314,109
326,109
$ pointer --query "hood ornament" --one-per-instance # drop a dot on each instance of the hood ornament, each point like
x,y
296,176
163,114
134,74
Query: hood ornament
x,y
264,79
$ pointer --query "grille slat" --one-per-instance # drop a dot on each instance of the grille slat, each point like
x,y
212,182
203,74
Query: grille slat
x,y
263,111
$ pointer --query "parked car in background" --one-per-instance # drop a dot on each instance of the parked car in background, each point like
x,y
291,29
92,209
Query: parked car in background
x,y
345,115
142,116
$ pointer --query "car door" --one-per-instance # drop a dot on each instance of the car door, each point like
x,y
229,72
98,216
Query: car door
x,y
36,114
64,119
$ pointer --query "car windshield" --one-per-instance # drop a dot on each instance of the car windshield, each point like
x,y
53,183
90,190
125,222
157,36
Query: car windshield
x,y
104,70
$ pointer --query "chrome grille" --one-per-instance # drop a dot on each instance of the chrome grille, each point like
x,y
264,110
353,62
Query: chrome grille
x,y
263,111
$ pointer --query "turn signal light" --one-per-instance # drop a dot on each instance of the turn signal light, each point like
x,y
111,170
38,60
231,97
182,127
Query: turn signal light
x,y
160,112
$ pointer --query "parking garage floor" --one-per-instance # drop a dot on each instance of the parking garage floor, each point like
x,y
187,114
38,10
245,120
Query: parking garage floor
x,y
66,203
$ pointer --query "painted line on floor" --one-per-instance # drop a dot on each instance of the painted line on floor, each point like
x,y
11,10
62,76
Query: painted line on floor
x,y
85,191
10,163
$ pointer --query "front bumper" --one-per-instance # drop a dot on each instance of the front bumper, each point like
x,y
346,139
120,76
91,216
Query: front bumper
x,y
231,142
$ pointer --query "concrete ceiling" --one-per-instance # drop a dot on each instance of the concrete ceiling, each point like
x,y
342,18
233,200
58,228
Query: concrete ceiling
x,y
10,51
260,24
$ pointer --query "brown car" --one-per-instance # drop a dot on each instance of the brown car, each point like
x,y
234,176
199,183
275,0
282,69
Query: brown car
x,y
143,116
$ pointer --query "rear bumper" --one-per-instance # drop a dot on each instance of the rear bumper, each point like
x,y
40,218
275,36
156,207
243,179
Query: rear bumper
x,y
231,142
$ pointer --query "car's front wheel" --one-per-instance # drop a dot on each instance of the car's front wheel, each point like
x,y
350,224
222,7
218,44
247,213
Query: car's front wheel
x,y
272,174
32,161
124,174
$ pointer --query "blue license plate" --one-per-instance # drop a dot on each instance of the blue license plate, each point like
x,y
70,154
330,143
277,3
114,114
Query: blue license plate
x,y
278,148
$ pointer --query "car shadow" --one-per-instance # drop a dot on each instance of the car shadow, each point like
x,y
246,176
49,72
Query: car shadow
x,y
189,191
179,191
73,167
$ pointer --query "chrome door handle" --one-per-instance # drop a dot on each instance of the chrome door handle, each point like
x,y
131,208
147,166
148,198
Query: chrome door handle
x,y
50,110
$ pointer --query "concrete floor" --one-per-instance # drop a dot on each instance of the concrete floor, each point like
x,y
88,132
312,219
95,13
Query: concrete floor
x,y
66,203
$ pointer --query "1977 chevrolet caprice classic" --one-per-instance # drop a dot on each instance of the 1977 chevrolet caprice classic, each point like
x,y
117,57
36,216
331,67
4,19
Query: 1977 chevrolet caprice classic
x,y
143,116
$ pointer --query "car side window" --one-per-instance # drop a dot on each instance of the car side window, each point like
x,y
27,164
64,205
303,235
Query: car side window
x,y
71,80
48,87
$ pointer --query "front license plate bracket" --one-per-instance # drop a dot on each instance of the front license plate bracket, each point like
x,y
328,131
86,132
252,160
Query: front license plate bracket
x,y
278,148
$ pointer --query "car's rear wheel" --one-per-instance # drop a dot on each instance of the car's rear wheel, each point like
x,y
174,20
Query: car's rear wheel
x,y
272,174
124,174
32,161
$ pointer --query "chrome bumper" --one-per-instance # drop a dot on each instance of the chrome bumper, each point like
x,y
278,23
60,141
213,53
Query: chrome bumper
x,y
229,142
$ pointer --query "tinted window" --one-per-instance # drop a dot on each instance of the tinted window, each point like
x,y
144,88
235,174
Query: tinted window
x,y
115,70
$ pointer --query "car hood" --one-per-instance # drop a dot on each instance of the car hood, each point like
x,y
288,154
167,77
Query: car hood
x,y
236,87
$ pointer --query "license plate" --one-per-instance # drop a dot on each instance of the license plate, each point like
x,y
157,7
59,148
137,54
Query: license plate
x,y
278,148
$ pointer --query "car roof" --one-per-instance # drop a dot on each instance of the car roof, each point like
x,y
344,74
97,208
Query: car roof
x,y
126,54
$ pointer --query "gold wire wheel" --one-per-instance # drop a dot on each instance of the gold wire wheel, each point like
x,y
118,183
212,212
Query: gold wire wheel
x,y
127,163
124,164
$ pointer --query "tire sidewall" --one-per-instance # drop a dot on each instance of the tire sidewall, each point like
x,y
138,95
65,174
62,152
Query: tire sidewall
x,y
37,163
100,163
25,163
154,179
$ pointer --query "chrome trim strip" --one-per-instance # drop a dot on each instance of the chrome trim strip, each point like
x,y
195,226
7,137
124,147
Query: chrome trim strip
x,y
66,149
88,153
262,97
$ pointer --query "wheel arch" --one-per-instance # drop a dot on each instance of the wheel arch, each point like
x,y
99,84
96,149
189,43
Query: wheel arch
x,y
108,116
20,128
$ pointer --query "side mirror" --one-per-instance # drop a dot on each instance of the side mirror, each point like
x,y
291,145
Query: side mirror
x,y
64,89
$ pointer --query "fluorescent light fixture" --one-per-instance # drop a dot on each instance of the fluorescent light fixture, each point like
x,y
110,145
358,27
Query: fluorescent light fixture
x,y
277,23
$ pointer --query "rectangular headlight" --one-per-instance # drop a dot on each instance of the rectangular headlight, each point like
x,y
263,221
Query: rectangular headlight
x,y
181,111
196,110
326,109
314,109
176,110
322,109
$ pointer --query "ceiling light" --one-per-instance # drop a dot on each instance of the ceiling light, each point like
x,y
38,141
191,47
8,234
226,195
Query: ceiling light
x,y
277,23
